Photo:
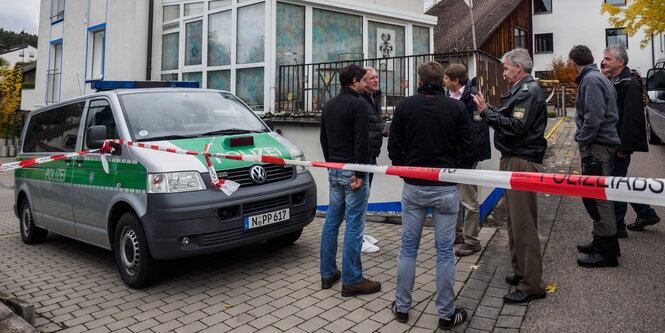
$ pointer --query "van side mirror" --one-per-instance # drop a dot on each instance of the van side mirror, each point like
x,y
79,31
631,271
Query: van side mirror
x,y
95,136
656,85
270,124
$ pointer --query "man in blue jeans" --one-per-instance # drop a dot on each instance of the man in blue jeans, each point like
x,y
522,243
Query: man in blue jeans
x,y
344,139
430,129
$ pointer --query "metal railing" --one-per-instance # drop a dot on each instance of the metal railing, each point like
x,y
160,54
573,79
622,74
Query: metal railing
x,y
303,89
53,85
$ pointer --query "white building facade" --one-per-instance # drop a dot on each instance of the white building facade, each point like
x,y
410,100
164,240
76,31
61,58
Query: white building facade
x,y
558,25
23,53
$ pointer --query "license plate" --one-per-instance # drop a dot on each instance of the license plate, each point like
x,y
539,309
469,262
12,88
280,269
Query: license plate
x,y
261,220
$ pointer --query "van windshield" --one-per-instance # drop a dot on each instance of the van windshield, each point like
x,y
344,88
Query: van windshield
x,y
175,115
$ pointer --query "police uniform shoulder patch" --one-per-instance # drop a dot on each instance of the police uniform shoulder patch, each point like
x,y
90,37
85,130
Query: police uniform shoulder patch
x,y
519,112
525,87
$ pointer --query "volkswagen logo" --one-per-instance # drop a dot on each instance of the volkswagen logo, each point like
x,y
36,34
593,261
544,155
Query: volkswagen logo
x,y
258,174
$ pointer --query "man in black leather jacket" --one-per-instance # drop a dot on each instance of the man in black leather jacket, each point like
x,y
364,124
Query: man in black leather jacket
x,y
519,134
632,132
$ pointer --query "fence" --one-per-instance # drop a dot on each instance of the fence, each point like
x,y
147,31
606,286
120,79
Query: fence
x,y
303,89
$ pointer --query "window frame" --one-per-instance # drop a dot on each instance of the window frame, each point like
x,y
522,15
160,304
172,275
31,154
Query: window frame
x,y
525,38
625,35
551,43
543,12
90,52
57,11
618,5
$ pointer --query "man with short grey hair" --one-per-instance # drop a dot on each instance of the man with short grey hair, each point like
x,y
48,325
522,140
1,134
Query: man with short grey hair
x,y
519,134
632,132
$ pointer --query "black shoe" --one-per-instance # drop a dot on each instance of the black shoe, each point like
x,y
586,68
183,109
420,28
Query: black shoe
x,y
641,222
458,317
519,296
402,317
586,248
513,280
596,259
621,233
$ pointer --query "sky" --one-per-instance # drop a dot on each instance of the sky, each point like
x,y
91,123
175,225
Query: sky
x,y
18,15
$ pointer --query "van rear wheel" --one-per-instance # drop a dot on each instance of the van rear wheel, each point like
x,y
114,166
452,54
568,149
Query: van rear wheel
x,y
285,240
132,255
30,233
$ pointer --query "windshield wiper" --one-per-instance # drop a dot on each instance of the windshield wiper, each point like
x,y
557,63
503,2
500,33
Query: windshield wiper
x,y
168,137
229,131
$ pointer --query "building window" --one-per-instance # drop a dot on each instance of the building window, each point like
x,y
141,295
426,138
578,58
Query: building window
x,y
250,43
170,51
616,37
542,6
171,13
53,73
193,43
616,2
31,55
520,38
95,61
57,10
544,43
219,38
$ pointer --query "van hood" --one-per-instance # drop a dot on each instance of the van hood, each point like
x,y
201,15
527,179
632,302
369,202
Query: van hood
x,y
270,144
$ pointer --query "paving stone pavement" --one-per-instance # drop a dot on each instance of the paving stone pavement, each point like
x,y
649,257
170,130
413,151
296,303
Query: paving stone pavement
x,y
75,286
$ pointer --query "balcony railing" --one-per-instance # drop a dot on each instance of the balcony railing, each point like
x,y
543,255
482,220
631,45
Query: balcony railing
x,y
303,89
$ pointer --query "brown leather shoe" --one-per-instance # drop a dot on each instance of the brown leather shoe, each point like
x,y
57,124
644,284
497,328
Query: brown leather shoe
x,y
459,239
364,287
467,249
327,283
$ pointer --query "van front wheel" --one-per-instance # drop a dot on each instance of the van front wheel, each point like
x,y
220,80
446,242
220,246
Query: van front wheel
x,y
132,255
30,233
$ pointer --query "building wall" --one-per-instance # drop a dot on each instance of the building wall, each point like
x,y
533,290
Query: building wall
x,y
22,55
580,22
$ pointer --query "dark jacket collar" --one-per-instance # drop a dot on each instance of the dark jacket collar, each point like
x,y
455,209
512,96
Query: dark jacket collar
x,y
586,70
518,86
623,76
348,91
468,89
431,90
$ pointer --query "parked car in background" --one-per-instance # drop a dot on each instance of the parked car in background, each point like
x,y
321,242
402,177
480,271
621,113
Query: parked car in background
x,y
656,103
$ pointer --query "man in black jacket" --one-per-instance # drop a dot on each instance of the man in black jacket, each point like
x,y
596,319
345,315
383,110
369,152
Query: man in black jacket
x,y
344,133
430,129
460,88
372,94
519,134
632,132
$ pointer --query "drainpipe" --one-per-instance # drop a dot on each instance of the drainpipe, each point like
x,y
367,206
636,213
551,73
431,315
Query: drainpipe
x,y
148,67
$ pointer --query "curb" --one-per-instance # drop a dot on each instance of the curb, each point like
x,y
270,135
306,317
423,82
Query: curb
x,y
15,322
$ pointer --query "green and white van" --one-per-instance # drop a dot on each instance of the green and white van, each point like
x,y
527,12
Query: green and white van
x,y
155,205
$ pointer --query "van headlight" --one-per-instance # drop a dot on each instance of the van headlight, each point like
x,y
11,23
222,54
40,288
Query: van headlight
x,y
300,169
172,182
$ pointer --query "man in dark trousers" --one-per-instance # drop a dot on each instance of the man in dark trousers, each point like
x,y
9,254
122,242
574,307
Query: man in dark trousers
x,y
519,134
344,139
596,119
460,88
632,132
429,129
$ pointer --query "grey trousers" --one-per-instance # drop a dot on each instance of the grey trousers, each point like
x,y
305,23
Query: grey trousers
x,y
522,226
470,225
596,161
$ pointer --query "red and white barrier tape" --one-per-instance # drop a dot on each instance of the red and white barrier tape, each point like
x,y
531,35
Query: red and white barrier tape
x,y
630,189
549,98
27,163
226,185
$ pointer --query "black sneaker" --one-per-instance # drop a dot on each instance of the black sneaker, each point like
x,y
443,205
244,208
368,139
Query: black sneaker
x,y
641,222
402,317
458,317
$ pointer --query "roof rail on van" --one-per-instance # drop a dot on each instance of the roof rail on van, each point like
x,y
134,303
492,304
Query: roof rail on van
x,y
100,85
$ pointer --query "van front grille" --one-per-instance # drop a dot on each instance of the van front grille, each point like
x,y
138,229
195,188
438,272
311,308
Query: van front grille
x,y
274,173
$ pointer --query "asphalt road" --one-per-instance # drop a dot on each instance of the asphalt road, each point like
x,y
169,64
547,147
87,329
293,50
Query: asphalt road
x,y
624,299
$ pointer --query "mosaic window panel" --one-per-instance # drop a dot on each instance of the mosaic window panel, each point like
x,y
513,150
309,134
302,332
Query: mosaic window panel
x,y
170,51
251,34
219,39
249,86
385,40
170,77
290,43
219,80
193,36
336,35
420,40
194,76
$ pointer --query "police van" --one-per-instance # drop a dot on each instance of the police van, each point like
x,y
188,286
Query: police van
x,y
155,205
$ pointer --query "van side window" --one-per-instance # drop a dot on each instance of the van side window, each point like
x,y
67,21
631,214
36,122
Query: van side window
x,y
54,130
100,113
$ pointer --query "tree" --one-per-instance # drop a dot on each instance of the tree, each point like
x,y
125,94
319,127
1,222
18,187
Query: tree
x,y
561,70
10,97
636,15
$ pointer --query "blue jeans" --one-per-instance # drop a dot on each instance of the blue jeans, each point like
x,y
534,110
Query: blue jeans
x,y
619,168
416,200
351,205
